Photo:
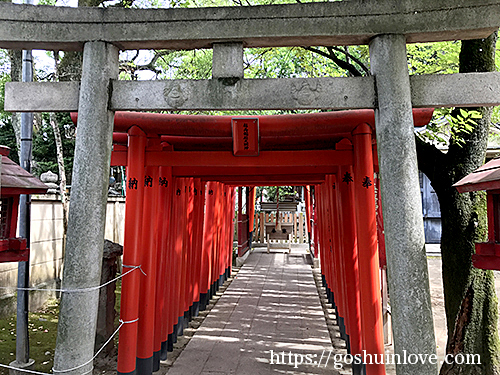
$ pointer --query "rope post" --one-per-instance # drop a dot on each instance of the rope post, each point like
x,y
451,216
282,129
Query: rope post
x,y
129,308
345,200
163,216
147,294
369,280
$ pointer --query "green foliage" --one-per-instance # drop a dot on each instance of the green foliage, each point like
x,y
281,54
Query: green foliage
x,y
7,135
287,62
432,58
269,192
462,124
47,2
449,127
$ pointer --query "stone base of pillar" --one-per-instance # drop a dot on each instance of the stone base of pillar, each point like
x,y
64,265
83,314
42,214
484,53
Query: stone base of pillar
x,y
30,365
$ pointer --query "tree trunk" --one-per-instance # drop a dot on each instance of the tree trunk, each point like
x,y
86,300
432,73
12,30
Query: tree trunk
x,y
469,293
62,174
72,71
16,75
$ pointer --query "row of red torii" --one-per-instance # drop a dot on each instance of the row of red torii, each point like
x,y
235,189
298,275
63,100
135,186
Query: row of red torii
x,y
181,177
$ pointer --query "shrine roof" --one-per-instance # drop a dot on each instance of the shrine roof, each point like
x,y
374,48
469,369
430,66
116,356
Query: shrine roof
x,y
16,179
486,177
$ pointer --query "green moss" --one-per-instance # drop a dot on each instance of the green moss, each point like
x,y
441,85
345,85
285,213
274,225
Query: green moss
x,y
480,209
42,327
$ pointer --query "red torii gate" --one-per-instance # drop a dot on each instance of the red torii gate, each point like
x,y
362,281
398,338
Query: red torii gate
x,y
181,175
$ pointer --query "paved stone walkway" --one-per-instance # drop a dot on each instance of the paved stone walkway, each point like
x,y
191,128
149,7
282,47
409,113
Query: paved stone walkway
x,y
272,304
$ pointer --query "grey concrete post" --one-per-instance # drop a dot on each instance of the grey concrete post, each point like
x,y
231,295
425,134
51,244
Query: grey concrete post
x,y
413,326
87,211
227,60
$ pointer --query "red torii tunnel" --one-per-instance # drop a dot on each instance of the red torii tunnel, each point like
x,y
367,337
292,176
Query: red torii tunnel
x,y
181,179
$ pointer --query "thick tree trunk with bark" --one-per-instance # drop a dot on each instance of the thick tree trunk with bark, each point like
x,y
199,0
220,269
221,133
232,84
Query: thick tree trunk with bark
x,y
470,299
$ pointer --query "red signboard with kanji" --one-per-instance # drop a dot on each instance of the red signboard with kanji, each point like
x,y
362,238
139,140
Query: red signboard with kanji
x,y
245,136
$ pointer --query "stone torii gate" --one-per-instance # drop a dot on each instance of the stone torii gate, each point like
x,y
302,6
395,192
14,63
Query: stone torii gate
x,y
385,25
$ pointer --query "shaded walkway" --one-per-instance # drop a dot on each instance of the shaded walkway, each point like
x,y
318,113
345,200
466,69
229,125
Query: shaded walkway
x,y
272,304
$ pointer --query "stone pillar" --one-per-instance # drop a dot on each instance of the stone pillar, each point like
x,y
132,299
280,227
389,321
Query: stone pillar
x,y
87,211
402,208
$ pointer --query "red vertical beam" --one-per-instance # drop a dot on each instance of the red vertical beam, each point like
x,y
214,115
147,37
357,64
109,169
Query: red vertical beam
x,y
223,234
188,249
180,218
229,234
171,269
199,198
240,221
322,252
345,199
208,235
231,228
324,239
339,259
220,229
380,227
216,247
164,203
148,284
369,281
336,274
129,311
307,198
313,227
251,209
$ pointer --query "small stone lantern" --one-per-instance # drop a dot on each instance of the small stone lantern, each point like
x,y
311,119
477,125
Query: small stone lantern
x,y
14,182
487,178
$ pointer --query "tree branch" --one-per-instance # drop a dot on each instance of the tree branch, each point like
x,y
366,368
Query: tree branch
x,y
353,58
332,56
429,157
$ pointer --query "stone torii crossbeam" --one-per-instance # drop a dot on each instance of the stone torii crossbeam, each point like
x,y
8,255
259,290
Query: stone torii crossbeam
x,y
385,25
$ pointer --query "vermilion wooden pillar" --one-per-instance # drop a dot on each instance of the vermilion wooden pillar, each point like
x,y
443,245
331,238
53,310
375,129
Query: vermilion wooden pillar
x,y
175,246
240,221
181,219
231,228
338,258
312,221
369,281
322,252
147,297
217,237
162,255
345,199
199,201
224,235
207,249
188,250
323,241
228,227
129,311
251,215
307,199
170,272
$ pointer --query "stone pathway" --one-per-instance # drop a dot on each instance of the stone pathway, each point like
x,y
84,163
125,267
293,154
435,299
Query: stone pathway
x,y
272,305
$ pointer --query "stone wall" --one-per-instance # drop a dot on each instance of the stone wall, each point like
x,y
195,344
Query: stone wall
x,y
46,249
